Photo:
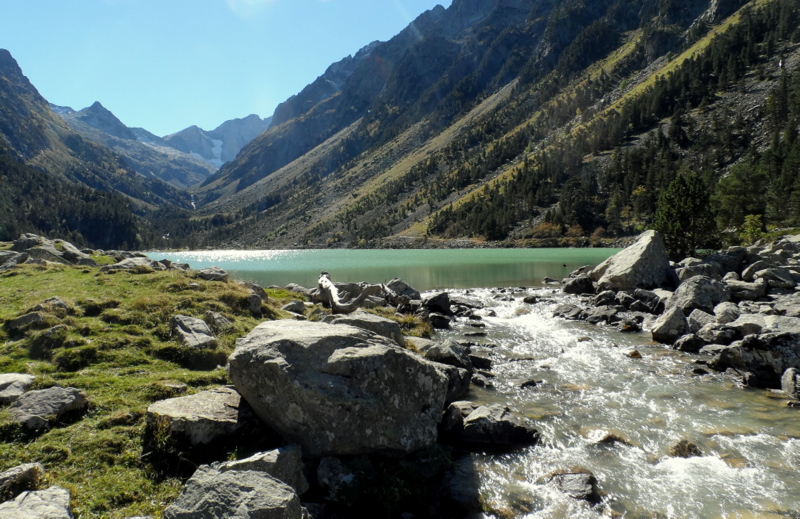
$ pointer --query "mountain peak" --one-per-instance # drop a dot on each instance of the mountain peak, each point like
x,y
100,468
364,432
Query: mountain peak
x,y
98,116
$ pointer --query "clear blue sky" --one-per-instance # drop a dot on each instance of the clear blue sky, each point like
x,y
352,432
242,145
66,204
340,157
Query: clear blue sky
x,y
167,64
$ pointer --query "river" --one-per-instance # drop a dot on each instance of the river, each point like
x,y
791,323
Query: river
x,y
589,390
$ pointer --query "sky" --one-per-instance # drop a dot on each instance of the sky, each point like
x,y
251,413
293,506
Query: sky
x,y
164,65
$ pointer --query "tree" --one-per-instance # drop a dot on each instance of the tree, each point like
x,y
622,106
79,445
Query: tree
x,y
684,215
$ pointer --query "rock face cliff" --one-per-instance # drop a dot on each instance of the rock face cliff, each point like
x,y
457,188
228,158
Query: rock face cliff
x,y
220,145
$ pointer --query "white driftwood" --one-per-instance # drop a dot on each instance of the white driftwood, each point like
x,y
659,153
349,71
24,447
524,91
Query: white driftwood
x,y
330,295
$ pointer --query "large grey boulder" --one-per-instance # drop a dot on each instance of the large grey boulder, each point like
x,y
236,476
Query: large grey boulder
x,y
201,418
644,264
192,332
210,494
19,478
776,277
338,390
134,264
698,318
38,409
284,464
13,385
74,255
50,503
669,326
700,292
374,323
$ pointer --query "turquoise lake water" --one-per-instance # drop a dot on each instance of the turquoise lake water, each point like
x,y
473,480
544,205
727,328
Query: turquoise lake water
x,y
423,269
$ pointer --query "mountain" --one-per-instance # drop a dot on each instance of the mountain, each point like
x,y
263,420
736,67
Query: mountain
x,y
40,151
221,144
524,122
142,151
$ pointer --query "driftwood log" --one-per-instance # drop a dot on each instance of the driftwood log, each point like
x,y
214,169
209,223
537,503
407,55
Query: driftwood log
x,y
330,295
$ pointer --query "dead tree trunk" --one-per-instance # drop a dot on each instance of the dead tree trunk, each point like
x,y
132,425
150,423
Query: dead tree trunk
x,y
330,295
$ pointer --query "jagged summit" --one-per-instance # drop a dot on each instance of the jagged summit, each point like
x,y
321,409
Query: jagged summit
x,y
98,116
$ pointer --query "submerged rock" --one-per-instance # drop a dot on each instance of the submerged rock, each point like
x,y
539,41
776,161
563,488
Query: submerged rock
x,y
492,425
577,484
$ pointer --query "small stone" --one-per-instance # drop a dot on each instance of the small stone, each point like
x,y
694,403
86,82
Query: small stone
x,y
635,354
36,410
213,274
13,385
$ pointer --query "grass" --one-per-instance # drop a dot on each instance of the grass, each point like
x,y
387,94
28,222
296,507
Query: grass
x,y
113,342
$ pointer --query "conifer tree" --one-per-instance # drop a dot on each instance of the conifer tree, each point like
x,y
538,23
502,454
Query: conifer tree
x,y
684,215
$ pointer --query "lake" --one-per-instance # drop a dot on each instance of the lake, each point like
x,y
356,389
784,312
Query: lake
x,y
424,269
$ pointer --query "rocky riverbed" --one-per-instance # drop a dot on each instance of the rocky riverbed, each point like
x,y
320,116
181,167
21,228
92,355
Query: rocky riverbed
x,y
549,402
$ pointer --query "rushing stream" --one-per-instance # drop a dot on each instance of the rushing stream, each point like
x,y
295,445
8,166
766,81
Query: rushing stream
x,y
595,406
593,393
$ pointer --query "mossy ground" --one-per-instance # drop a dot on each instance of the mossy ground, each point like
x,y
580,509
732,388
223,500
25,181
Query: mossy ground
x,y
114,344
113,341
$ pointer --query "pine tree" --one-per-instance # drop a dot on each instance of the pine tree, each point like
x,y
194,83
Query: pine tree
x,y
684,215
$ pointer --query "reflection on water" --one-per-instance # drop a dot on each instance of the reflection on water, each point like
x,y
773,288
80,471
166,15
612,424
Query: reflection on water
x,y
422,269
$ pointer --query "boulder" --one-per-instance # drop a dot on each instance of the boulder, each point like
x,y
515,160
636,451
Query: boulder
x,y
9,259
24,322
603,314
726,312
689,343
36,410
211,494
213,274
670,325
577,484
702,269
644,264
714,333
28,240
13,385
448,352
728,261
374,323
74,255
400,288
748,324
338,390
439,321
296,307
569,312
700,292
651,300
50,503
776,277
47,252
133,264
192,332
685,449
581,284
284,464
743,291
749,273
605,298
788,305
438,303
492,425
698,318
199,419
20,478
770,352
790,383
